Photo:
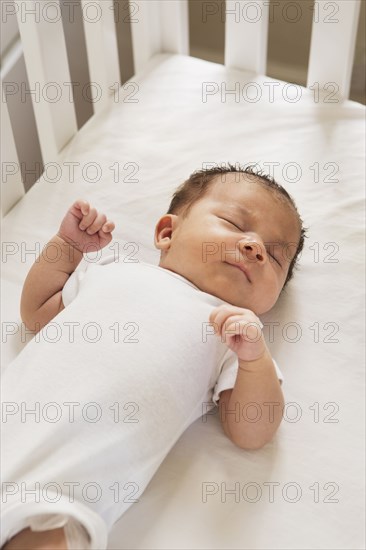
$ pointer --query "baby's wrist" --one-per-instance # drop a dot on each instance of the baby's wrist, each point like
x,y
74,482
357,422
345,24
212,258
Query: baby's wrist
x,y
68,249
257,363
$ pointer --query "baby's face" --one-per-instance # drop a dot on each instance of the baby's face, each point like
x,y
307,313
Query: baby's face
x,y
236,243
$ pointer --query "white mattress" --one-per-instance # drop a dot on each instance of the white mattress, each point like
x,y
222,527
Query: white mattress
x,y
317,454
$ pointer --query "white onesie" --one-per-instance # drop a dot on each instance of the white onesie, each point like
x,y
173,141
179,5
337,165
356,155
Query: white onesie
x,y
95,401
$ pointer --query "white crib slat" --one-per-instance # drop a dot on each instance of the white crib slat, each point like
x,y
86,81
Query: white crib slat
x,y
47,68
174,27
145,31
332,45
110,42
101,44
246,32
12,188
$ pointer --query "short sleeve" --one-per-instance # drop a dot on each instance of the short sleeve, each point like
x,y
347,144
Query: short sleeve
x,y
72,285
228,373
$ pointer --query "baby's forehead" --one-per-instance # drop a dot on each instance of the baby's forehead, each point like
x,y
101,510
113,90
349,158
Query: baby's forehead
x,y
228,189
247,196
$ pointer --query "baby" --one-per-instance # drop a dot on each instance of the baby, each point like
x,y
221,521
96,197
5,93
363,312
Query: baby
x,y
172,342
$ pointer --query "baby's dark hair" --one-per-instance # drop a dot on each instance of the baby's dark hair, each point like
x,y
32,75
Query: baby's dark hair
x,y
200,181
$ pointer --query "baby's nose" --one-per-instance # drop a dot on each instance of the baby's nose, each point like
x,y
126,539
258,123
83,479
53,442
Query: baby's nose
x,y
253,251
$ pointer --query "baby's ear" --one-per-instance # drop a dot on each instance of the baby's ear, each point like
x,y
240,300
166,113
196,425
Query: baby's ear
x,y
164,230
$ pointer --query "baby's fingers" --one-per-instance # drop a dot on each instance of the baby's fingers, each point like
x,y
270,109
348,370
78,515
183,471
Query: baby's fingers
x,y
83,206
108,227
88,219
97,224
102,225
249,330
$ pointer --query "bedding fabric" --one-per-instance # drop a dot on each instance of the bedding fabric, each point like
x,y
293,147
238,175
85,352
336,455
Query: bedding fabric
x,y
305,488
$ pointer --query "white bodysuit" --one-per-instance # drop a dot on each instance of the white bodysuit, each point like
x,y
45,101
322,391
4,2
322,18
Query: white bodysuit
x,y
95,401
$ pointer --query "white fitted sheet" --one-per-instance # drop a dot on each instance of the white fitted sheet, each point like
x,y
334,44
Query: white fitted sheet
x,y
318,341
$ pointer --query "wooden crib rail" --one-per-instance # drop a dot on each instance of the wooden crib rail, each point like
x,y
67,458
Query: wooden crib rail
x,y
47,61
332,45
45,54
101,43
158,26
67,44
246,35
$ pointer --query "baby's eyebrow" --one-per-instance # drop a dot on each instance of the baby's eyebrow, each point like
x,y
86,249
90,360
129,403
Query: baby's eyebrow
x,y
242,210
237,209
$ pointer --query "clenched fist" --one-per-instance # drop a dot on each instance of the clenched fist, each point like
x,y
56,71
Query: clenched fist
x,y
85,229
240,330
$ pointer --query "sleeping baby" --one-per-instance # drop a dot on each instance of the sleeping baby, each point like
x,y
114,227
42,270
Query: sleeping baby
x,y
127,355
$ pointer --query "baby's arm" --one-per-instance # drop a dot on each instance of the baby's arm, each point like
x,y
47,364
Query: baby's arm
x,y
41,296
256,383
81,230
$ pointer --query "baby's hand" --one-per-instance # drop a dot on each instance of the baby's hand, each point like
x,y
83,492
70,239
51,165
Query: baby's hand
x,y
241,330
85,229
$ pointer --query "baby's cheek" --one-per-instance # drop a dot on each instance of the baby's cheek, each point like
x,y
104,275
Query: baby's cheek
x,y
271,289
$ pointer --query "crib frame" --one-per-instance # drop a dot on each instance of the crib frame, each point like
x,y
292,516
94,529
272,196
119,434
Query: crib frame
x,y
156,26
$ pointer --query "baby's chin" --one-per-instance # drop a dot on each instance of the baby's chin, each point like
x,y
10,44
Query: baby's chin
x,y
244,303
218,286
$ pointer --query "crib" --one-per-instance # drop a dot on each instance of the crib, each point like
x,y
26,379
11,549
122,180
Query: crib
x,y
151,123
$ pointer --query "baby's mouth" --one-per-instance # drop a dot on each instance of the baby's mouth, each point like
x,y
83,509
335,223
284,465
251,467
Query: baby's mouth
x,y
242,268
